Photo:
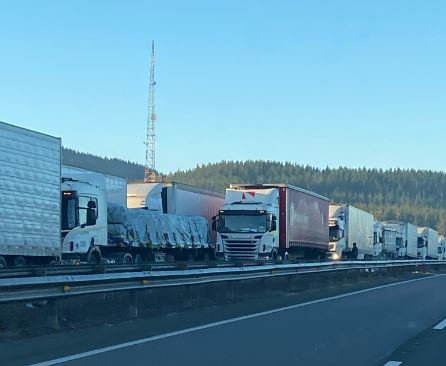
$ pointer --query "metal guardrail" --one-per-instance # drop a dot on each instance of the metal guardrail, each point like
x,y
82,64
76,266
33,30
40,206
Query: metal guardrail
x,y
55,270
40,288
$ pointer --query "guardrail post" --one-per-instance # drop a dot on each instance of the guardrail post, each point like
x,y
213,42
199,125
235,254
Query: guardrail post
x,y
133,304
53,314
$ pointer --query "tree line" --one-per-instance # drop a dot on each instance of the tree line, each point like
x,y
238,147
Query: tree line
x,y
415,196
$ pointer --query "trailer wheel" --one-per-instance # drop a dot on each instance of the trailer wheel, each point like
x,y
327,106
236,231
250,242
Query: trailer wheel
x,y
19,261
138,259
3,262
94,257
127,258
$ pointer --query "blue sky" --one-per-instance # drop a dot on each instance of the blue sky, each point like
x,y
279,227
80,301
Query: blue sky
x,y
350,83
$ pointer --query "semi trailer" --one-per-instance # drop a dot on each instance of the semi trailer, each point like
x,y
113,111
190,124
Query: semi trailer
x,y
97,224
30,199
427,243
350,226
271,221
384,241
175,198
406,238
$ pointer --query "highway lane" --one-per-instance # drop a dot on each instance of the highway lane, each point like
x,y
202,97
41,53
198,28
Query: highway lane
x,y
361,328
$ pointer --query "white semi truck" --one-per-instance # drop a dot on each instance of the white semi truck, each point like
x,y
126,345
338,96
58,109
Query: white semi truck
x,y
406,238
349,225
272,221
96,224
441,247
385,241
427,243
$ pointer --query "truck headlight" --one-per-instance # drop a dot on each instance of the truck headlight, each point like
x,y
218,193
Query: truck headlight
x,y
335,256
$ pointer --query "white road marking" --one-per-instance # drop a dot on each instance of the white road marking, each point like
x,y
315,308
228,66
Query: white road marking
x,y
223,322
441,325
393,363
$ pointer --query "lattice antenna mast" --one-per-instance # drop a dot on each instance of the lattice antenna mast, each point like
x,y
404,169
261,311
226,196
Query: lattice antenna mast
x,y
149,167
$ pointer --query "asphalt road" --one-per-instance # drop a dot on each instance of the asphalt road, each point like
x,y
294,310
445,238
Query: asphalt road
x,y
360,328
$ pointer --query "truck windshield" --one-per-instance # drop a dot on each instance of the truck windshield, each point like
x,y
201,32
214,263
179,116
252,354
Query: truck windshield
x,y
242,224
421,242
334,233
68,212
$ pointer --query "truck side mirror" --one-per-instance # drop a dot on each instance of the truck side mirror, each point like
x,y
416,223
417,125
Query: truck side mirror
x,y
214,223
91,217
91,213
273,225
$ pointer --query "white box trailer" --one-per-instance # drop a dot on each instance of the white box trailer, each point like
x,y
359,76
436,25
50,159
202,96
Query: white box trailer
x,y
115,187
427,243
30,201
406,239
411,240
349,225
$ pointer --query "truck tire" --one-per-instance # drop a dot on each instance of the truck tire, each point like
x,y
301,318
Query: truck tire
x,y
19,261
127,258
274,255
138,259
94,257
3,262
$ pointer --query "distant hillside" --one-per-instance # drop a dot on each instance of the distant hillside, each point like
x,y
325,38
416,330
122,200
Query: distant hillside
x,y
416,196
113,166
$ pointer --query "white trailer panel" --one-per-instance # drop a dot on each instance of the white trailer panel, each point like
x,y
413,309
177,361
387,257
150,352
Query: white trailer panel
x,y
115,187
30,202
359,230
432,243
411,241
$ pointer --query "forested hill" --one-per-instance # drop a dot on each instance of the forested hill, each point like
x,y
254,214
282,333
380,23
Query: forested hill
x,y
416,196
113,166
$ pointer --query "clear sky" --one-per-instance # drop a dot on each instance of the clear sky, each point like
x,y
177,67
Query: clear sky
x,y
351,83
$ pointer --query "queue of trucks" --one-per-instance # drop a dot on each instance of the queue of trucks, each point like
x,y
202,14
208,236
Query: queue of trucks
x,y
55,213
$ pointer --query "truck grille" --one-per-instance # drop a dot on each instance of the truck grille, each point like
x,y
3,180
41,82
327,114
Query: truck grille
x,y
241,249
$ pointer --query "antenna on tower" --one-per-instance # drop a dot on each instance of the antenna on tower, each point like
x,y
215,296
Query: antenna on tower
x,y
149,167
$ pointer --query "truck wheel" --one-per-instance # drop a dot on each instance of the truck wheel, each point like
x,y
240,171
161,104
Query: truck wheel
x,y
138,259
274,255
3,262
127,259
94,257
19,261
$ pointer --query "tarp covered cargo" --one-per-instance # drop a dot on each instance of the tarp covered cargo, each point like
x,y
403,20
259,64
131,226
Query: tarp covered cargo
x,y
139,227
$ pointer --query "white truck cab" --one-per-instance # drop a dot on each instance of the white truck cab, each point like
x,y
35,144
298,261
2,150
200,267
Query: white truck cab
x,y
247,224
84,215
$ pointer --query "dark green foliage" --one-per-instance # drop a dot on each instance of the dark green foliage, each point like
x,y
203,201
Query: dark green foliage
x,y
117,167
415,196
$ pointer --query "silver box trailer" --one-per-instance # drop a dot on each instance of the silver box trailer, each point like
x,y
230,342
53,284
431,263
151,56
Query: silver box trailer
x,y
407,238
30,202
349,225
115,187
430,238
